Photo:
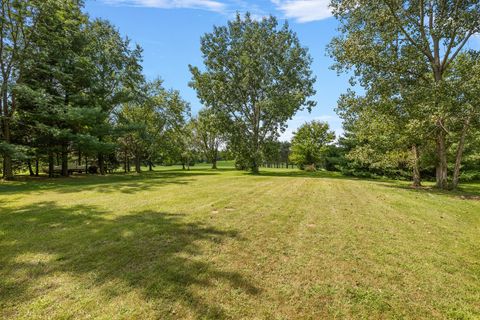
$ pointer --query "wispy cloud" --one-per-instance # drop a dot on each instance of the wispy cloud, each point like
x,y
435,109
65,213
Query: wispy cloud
x,y
304,10
210,5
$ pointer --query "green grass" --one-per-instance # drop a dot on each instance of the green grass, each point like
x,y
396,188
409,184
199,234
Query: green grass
x,y
209,244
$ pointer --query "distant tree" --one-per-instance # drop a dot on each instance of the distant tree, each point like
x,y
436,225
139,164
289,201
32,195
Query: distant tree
x,y
309,143
285,150
146,122
209,133
258,75
271,152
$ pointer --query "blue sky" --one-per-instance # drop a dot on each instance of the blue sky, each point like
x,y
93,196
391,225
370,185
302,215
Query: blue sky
x,y
169,32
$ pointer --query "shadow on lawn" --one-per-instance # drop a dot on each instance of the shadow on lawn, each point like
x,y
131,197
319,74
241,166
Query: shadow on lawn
x,y
119,182
153,252
466,191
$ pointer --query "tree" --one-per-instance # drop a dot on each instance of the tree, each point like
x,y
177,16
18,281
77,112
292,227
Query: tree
x,y
18,20
208,132
149,120
259,76
417,40
309,143
465,85
50,92
117,78
388,132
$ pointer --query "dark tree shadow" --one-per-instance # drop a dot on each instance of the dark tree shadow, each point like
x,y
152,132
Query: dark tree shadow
x,y
154,252
466,191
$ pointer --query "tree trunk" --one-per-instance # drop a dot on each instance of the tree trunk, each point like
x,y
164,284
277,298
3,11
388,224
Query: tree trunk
x,y
458,158
30,170
125,161
101,163
7,159
50,164
416,167
64,160
150,168
137,164
442,166
36,167
214,159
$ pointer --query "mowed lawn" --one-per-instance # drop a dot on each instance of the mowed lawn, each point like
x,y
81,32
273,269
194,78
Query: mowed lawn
x,y
205,244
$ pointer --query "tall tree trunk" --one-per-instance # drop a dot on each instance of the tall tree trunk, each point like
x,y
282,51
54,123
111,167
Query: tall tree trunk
x,y
150,166
36,167
64,160
125,161
101,163
442,166
50,165
458,158
30,170
7,159
214,159
137,164
417,182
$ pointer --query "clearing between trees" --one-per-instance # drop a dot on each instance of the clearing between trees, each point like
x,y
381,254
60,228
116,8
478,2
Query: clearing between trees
x,y
285,244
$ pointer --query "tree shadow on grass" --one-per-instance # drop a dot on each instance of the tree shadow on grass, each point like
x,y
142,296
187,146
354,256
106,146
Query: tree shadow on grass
x,y
466,191
125,183
155,253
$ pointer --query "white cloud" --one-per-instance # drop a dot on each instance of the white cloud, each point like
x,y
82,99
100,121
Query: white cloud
x,y
304,10
210,5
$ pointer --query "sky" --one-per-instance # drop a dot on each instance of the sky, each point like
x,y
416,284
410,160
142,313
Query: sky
x,y
169,32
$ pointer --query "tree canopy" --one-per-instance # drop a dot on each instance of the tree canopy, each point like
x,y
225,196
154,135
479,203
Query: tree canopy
x,y
258,75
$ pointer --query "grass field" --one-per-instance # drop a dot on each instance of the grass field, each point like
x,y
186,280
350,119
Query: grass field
x,y
209,244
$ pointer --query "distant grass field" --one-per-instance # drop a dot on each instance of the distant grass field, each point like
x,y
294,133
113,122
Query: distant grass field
x,y
205,244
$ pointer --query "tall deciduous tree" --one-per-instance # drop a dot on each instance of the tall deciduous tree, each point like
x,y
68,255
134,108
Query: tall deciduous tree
x,y
18,21
419,39
259,75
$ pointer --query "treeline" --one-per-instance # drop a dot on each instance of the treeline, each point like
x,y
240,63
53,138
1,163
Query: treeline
x,y
74,97
72,90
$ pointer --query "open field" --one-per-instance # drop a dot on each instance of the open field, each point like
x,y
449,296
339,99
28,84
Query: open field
x,y
226,244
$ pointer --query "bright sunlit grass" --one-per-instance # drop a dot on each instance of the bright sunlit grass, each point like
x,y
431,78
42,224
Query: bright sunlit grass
x,y
226,244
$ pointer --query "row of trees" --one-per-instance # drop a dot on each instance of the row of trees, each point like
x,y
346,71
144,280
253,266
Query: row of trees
x,y
72,89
